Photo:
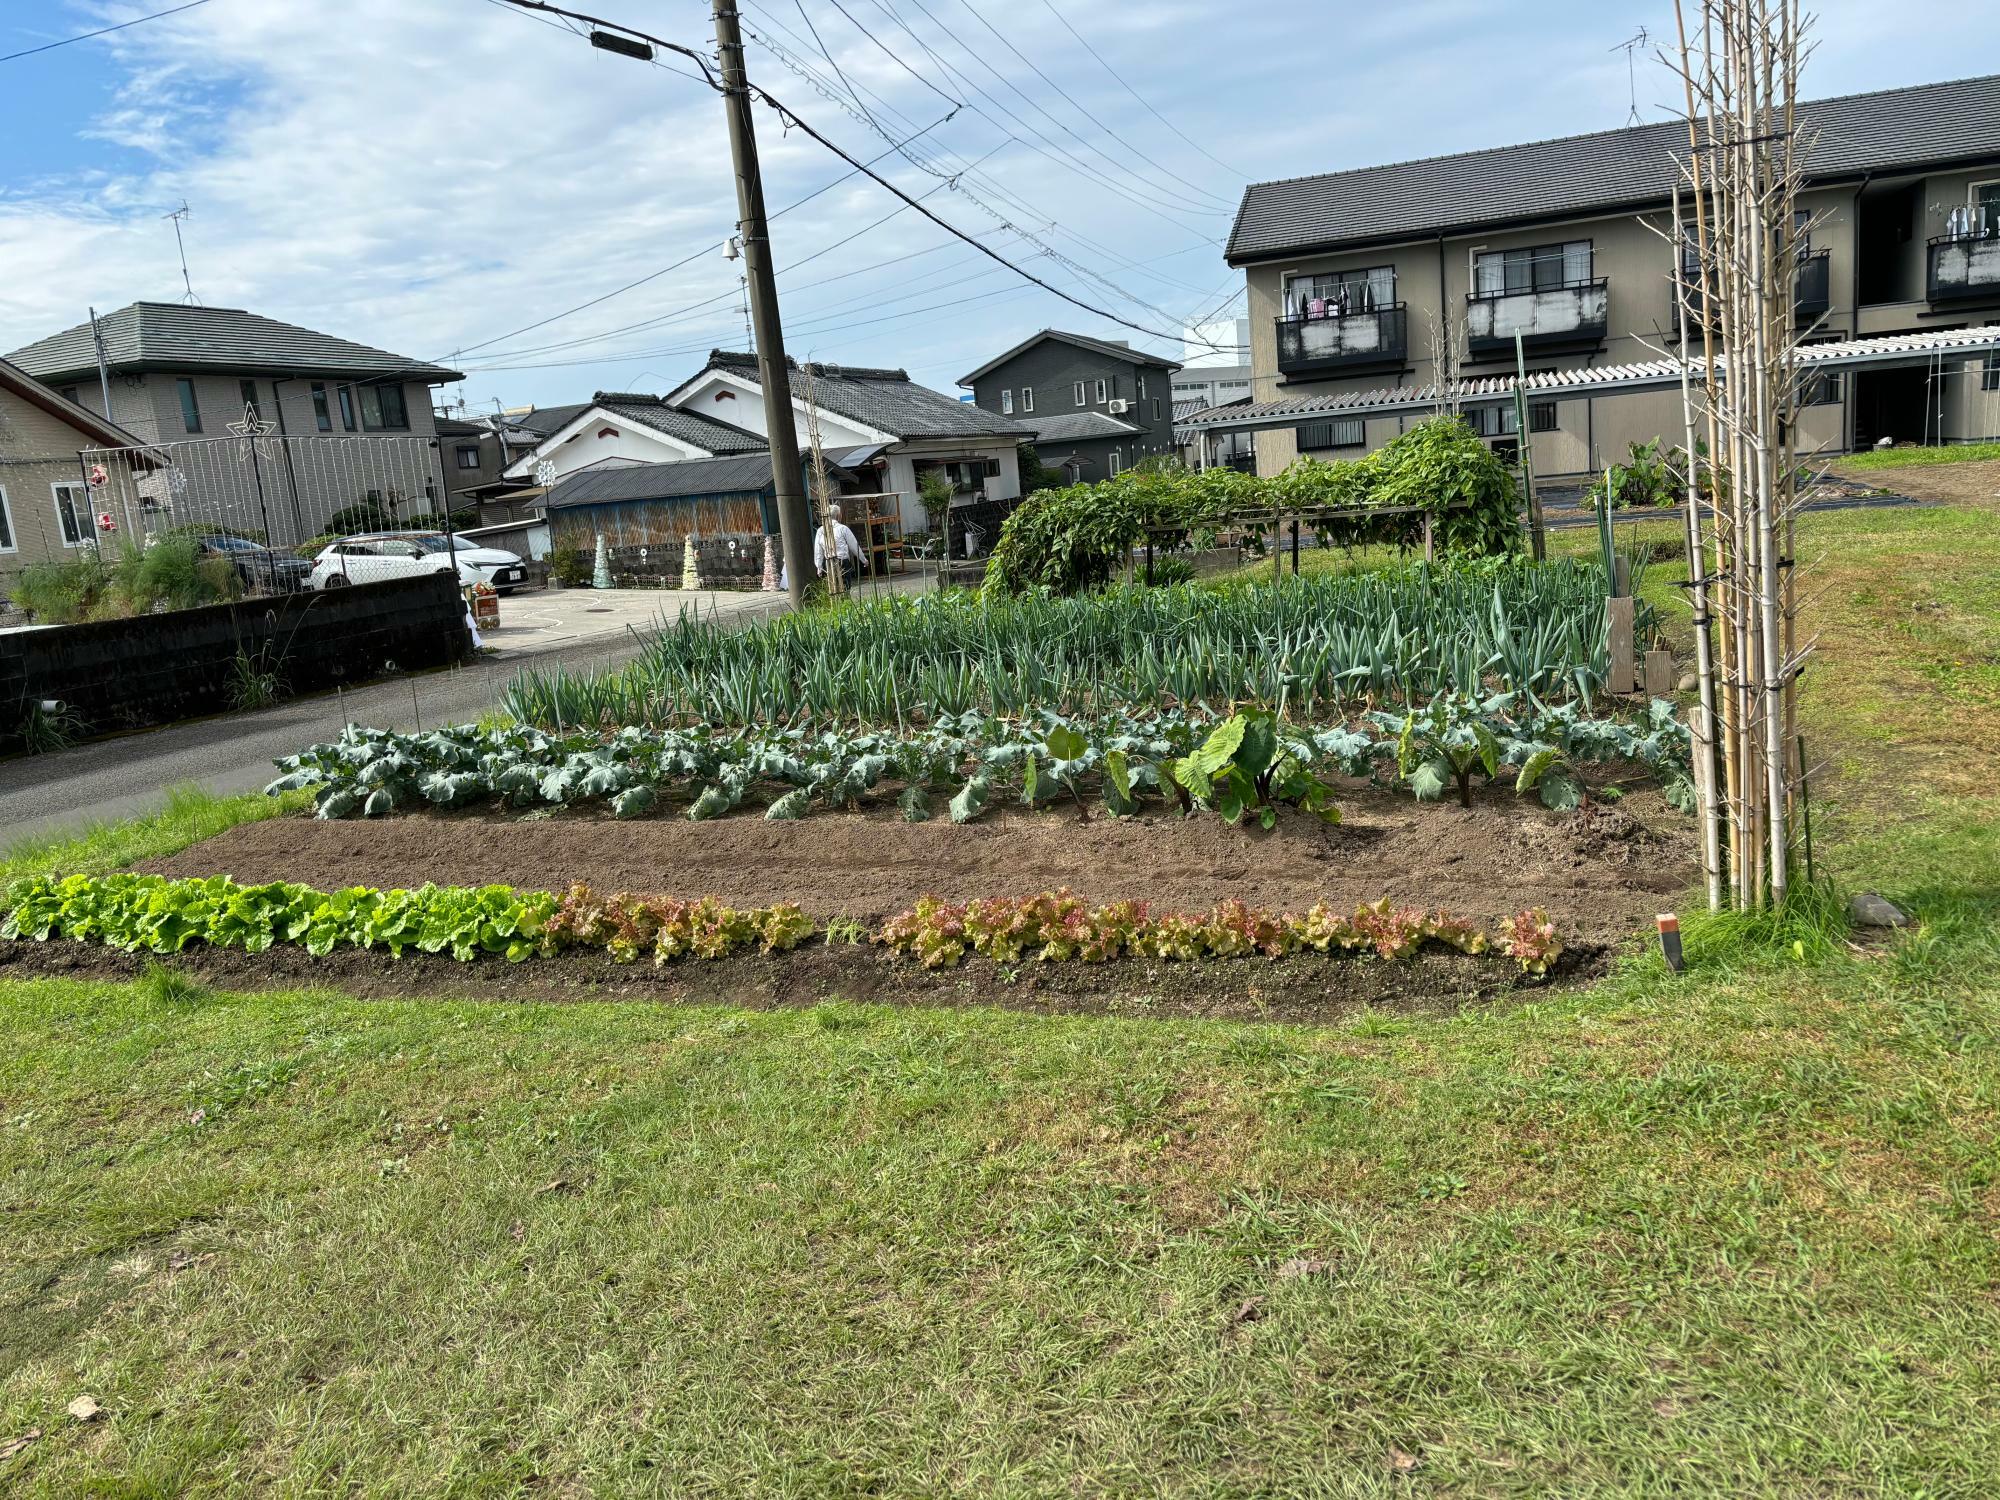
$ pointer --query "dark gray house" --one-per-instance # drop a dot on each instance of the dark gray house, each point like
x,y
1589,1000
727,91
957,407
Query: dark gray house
x,y
1098,406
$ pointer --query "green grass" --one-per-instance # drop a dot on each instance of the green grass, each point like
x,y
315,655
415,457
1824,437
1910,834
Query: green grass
x,y
1730,1232
190,816
1903,458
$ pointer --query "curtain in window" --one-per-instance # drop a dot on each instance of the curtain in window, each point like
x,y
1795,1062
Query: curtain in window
x,y
1576,262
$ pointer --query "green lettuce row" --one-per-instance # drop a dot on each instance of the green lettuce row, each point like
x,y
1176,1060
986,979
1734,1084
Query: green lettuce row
x,y
163,915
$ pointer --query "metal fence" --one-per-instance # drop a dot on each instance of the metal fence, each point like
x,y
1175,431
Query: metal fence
x,y
266,504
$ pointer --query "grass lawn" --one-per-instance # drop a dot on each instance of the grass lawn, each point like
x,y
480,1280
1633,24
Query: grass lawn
x,y
1903,458
1733,1232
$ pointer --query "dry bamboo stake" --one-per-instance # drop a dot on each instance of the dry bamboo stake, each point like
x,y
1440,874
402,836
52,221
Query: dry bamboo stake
x,y
829,549
1704,724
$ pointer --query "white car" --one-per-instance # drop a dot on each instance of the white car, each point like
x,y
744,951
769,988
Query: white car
x,y
376,556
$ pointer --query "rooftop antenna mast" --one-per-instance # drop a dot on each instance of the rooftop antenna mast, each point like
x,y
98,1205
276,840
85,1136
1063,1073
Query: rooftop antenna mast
x,y
1630,47
183,212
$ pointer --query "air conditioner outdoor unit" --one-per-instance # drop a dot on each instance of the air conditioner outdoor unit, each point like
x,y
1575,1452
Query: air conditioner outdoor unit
x,y
1118,408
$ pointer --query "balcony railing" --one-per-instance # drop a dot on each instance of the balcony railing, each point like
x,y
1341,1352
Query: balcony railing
x,y
1965,268
1812,293
1573,315
1344,344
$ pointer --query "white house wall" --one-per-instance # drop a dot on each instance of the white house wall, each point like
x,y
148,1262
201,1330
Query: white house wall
x,y
743,406
629,443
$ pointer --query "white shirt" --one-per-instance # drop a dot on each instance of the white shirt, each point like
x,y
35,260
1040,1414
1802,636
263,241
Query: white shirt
x,y
844,545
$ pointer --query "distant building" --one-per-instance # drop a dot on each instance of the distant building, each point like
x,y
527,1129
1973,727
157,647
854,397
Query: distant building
x,y
1098,406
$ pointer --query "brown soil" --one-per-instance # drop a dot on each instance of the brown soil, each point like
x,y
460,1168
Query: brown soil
x,y
1976,485
1309,988
1602,873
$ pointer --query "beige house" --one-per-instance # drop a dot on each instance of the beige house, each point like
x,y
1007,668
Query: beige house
x,y
1383,278
45,496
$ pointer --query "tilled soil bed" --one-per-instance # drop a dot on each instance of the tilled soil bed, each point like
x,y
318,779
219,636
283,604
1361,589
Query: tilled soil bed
x,y
1307,988
1602,872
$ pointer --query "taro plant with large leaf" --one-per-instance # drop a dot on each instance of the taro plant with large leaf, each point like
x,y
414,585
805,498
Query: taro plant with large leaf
x,y
1249,764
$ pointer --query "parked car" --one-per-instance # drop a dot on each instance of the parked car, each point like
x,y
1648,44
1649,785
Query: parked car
x,y
262,570
371,559
503,569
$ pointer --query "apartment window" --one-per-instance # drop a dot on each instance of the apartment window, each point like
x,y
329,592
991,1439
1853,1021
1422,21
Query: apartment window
x,y
1027,398
72,511
1102,391
1989,372
1006,403
7,543
382,409
1117,455
1156,408
1537,268
468,455
322,418
1338,294
68,393
190,408
247,390
1986,209
1142,387
1541,416
1820,388
347,408
1342,432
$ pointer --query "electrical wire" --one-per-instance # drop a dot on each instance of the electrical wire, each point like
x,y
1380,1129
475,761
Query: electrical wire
x,y
102,31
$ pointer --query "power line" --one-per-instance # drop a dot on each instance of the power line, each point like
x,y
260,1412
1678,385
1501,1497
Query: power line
x,y
102,31
1050,5
1035,68
663,270
791,119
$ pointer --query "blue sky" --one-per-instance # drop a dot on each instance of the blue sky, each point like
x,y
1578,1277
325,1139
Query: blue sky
x,y
430,176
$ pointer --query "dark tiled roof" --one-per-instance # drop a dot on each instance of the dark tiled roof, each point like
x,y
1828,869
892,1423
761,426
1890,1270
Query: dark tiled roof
x,y
1109,348
1189,408
886,400
173,336
1079,426
1933,123
686,426
549,420
740,475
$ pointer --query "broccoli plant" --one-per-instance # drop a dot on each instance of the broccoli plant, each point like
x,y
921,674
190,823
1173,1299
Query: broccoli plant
x,y
1445,743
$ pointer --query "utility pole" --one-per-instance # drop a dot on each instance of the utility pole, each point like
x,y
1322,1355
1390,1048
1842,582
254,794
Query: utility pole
x,y
773,373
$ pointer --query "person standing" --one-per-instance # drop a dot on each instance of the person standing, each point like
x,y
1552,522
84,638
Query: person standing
x,y
847,551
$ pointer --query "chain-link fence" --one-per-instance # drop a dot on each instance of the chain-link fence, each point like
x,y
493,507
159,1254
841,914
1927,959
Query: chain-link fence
x,y
277,514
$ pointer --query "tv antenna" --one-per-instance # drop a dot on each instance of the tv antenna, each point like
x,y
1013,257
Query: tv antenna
x,y
1630,47
183,212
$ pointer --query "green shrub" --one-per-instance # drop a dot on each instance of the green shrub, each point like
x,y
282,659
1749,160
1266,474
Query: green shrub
x,y
1168,571
570,567
1074,537
62,593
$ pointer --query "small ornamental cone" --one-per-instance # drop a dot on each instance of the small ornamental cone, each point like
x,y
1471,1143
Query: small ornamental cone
x,y
600,576
690,573
770,565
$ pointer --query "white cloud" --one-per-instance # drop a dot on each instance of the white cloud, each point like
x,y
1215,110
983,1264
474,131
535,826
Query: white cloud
x,y
425,174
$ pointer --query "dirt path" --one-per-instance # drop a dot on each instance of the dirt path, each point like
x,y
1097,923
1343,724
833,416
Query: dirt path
x,y
1602,874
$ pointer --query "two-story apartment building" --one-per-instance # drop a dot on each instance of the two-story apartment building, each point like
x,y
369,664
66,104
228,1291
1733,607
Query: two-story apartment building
x,y
1098,406
1388,278
180,376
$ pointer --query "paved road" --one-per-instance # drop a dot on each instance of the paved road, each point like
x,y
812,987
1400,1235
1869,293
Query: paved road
x,y
125,777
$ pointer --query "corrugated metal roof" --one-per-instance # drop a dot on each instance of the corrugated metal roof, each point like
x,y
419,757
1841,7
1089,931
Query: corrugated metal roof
x,y
173,336
886,400
741,474
1853,134
1110,348
1597,380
